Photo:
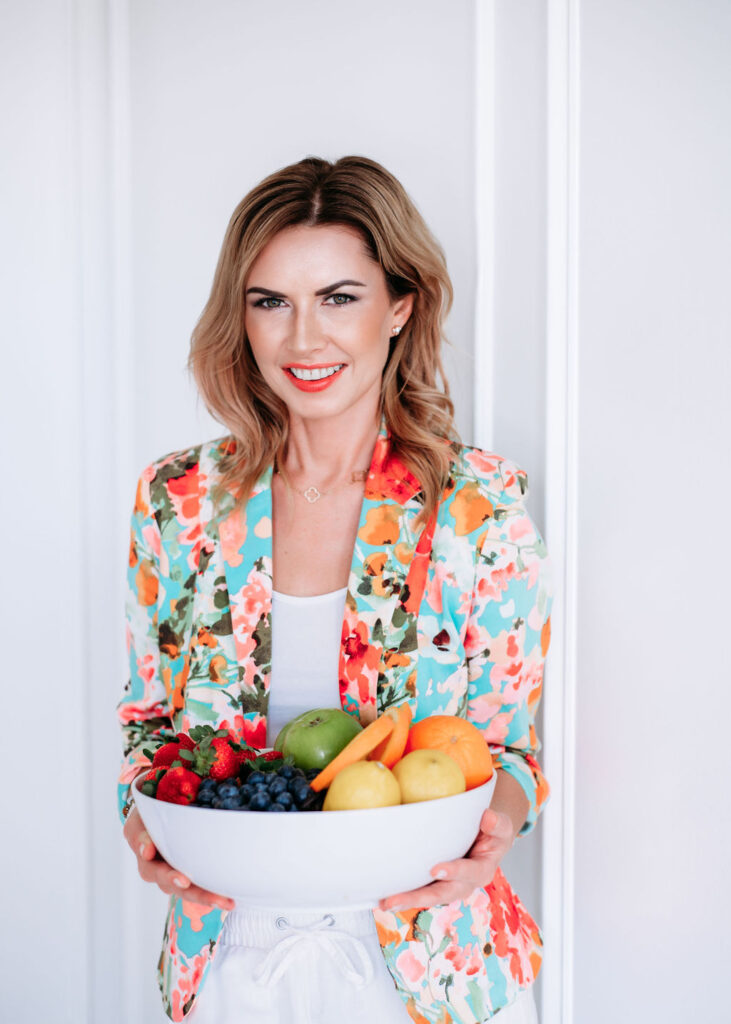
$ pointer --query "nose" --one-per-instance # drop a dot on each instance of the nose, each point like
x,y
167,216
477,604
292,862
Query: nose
x,y
306,336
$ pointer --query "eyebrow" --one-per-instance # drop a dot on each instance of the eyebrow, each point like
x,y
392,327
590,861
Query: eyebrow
x,y
323,291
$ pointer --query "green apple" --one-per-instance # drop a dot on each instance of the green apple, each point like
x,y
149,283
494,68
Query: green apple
x,y
314,738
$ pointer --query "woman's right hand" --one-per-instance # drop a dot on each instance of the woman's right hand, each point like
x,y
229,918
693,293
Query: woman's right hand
x,y
153,868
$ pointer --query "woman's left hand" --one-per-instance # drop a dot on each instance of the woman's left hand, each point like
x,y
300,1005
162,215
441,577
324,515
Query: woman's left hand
x,y
458,878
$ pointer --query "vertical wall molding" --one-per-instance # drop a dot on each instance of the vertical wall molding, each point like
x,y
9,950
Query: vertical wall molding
x,y
484,134
559,707
105,327
134,964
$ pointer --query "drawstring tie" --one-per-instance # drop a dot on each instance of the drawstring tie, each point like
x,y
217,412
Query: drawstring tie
x,y
356,968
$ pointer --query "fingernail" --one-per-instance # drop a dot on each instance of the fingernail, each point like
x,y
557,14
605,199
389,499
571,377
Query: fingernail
x,y
143,847
182,883
441,873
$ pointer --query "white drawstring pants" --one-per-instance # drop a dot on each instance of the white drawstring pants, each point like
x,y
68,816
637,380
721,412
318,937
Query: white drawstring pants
x,y
299,967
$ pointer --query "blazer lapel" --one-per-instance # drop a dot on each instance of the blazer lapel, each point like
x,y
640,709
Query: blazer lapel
x,y
246,549
387,579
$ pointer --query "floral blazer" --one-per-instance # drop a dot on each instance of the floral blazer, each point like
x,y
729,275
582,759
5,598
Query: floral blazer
x,y
453,618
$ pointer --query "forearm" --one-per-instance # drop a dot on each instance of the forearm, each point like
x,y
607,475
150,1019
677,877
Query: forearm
x,y
508,798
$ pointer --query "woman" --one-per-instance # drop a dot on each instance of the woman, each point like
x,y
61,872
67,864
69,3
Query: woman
x,y
340,519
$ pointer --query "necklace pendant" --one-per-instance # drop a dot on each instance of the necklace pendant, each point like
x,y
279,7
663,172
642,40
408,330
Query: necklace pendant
x,y
312,494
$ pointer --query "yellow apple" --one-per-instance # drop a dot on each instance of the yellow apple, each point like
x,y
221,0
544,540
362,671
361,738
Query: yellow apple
x,y
360,785
428,775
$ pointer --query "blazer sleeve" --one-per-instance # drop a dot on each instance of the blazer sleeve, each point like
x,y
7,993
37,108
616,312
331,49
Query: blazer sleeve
x,y
143,712
508,635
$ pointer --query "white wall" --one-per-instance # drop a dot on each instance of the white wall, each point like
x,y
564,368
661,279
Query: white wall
x,y
224,93
45,851
654,323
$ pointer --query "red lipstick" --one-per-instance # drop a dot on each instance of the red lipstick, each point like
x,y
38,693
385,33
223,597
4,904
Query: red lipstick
x,y
312,385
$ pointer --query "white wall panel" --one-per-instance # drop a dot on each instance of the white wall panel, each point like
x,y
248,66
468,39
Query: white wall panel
x,y
44,967
652,819
224,93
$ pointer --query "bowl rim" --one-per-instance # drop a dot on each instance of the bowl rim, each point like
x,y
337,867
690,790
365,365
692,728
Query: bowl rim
x,y
137,782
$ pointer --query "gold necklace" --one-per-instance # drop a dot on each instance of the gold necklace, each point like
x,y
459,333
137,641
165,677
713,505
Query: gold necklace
x,y
313,494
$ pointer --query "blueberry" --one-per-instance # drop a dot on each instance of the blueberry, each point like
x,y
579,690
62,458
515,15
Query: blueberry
x,y
207,785
260,801
258,779
285,799
301,793
230,803
277,785
311,773
314,801
205,798
276,806
216,801
228,789
246,792
288,771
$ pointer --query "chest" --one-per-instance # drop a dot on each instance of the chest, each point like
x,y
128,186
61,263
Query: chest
x,y
312,543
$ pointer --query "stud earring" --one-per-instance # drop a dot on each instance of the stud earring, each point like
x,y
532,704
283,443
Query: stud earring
x,y
396,330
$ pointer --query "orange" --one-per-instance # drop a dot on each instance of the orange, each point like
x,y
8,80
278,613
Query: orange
x,y
457,737
390,750
357,750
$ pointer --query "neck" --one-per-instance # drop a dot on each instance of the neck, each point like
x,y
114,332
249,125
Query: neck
x,y
323,452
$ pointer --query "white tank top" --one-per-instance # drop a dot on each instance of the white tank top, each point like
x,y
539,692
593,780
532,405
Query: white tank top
x,y
306,635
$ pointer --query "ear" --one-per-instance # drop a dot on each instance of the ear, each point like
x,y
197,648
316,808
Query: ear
x,y
403,308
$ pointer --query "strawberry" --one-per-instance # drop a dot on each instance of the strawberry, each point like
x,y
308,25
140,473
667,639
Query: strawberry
x,y
178,786
150,781
244,754
271,755
186,743
166,754
226,762
213,756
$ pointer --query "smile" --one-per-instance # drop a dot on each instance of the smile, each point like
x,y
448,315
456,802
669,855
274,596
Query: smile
x,y
314,378
315,374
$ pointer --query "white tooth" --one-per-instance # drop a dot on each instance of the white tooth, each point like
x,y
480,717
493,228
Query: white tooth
x,y
302,374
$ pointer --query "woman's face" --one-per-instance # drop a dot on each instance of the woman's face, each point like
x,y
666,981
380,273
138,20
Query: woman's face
x,y
319,319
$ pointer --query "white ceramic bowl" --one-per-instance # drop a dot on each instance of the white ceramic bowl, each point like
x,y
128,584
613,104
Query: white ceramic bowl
x,y
314,859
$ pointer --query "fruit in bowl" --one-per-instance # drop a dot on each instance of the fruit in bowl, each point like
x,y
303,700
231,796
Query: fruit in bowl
x,y
338,859
428,775
360,785
315,737
381,833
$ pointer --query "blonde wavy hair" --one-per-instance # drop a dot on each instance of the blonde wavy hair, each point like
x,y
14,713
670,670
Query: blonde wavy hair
x,y
415,402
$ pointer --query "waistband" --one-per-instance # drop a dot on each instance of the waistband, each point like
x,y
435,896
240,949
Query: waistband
x,y
252,926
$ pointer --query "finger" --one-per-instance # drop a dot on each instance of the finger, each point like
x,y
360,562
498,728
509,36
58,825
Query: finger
x,y
132,826
495,823
467,871
210,899
137,836
175,883
428,896
162,874
489,846
146,849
